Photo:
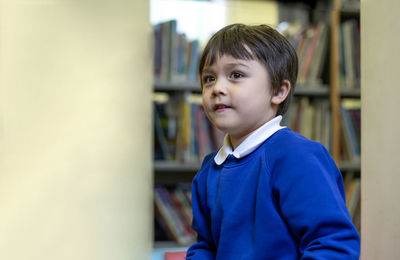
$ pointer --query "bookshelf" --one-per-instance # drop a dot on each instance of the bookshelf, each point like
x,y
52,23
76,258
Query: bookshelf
x,y
343,10
318,96
345,88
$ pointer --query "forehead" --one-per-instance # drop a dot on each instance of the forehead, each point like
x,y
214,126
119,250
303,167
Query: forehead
x,y
215,56
219,49
228,60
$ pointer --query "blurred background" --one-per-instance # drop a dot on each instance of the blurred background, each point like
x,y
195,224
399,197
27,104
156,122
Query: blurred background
x,y
102,129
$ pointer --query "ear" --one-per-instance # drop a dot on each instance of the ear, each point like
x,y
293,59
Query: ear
x,y
282,93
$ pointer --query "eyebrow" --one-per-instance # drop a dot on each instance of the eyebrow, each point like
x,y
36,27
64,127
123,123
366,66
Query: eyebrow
x,y
234,64
229,66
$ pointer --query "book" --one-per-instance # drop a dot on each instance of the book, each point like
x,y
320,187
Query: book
x,y
178,255
306,118
352,185
311,43
182,131
354,197
165,217
350,128
327,126
164,121
319,56
162,230
172,217
194,57
161,146
307,58
202,132
175,56
157,45
184,205
349,54
349,77
312,119
167,31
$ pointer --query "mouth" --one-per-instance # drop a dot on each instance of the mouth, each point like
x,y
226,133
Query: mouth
x,y
221,107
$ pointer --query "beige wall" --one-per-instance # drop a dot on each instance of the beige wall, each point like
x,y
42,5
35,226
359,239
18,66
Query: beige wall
x,y
75,146
380,57
252,12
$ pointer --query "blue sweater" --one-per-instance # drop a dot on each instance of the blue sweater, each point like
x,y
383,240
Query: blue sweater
x,y
285,200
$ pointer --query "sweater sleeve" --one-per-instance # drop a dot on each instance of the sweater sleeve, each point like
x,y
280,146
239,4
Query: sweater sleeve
x,y
309,193
204,248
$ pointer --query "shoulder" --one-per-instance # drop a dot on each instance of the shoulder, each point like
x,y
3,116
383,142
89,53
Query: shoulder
x,y
287,143
206,165
287,149
208,160
287,137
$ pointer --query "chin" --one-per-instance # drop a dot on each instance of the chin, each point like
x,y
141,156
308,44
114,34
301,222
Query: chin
x,y
222,128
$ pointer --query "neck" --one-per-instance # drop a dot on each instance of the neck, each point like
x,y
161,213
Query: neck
x,y
236,141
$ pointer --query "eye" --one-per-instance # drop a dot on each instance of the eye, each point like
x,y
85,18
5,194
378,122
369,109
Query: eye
x,y
236,75
206,79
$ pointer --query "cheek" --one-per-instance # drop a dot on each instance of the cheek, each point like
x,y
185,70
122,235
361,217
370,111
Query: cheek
x,y
205,101
207,114
254,103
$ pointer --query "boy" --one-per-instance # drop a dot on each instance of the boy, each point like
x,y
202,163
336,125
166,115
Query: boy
x,y
268,193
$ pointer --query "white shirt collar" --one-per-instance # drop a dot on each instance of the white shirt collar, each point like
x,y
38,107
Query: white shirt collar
x,y
252,142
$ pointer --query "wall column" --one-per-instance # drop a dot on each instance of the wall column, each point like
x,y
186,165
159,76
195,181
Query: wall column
x,y
380,170
75,130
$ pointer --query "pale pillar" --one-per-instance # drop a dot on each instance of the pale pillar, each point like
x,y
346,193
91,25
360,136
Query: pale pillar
x,y
75,130
380,92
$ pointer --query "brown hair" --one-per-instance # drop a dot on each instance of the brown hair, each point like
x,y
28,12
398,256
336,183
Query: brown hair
x,y
261,43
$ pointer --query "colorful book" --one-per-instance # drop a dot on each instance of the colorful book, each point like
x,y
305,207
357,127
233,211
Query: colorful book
x,y
179,255
350,132
175,56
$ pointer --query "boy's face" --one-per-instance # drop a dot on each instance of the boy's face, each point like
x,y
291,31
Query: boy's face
x,y
237,96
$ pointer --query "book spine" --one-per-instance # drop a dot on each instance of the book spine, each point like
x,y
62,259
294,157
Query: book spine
x,y
350,131
175,57
173,213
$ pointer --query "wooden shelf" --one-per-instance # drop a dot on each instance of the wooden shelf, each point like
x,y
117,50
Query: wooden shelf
x,y
174,166
305,90
350,93
178,86
352,9
347,166
172,172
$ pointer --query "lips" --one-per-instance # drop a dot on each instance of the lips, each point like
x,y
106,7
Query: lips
x,y
221,107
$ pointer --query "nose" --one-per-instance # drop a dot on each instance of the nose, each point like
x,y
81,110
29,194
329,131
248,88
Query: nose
x,y
219,88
